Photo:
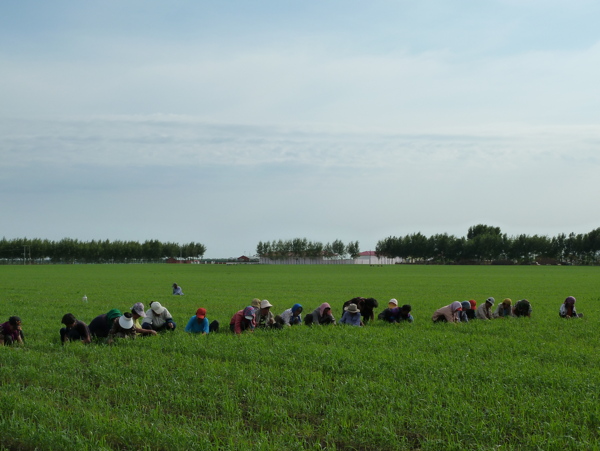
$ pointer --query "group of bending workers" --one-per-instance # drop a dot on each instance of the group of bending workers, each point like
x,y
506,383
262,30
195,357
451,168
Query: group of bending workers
x,y
467,310
157,318
114,324
258,315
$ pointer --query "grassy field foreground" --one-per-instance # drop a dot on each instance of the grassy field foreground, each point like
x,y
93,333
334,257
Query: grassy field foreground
x,y
505,384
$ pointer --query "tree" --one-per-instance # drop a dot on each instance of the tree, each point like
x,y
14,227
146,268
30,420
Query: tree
x,y
328,251
387,247
299,246
557,245
418,246
487,246
592,244
152,249
353,249
442,246
314,250
339,248
481,229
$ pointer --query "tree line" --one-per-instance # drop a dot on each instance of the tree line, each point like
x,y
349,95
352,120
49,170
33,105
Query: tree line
x,y
95,251
302,248
488,243
483,243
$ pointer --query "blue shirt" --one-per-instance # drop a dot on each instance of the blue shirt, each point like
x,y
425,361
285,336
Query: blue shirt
x,y
196,327
352,319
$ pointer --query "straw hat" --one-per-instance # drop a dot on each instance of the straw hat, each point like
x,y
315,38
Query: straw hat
x,y
352,308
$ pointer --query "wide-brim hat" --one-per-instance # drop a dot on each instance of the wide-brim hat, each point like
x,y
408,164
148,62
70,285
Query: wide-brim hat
x,y
265,304
352,308
394,302
125,323
157,308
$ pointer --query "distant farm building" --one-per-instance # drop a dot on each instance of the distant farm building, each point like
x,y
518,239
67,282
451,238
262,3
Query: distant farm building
x,y
365,258
371,258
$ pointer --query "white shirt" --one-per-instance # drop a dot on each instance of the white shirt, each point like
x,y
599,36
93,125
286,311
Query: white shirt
x,y
157,320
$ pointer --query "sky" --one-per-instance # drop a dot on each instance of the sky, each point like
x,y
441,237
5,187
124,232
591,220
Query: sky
x,y
233,122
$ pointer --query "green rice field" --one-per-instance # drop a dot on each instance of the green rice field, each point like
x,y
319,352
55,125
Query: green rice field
x,y
508,384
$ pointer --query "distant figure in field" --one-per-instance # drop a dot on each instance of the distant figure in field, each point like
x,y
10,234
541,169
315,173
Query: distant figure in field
x,y
470,312
567,309
199,324
264,316
137,312
177,290
365,306
484,311
351,316
158,318
123,328
74,330
504,310
101,324
522,308
11,332
395,314
291,316
321,315
243,320
449,313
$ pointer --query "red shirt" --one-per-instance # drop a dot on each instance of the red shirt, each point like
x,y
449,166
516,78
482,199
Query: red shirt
x,y
7,329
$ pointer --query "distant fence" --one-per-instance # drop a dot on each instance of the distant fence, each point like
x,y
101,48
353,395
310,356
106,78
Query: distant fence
x,y
304,261
322,261
373,260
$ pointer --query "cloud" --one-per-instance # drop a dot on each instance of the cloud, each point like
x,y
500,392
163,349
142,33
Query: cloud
x,y
325,121
175,141
180,179
395,92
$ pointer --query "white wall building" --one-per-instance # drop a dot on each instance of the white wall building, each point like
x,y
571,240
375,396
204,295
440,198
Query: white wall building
x,y
366,258
370,258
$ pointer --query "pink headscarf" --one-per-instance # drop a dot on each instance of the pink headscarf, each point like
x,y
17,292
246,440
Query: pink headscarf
x,y
456,306
322,308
